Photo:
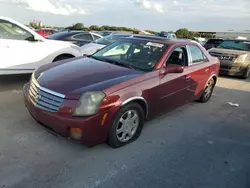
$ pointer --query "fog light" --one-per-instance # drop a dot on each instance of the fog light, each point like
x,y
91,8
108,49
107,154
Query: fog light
x,y
76,133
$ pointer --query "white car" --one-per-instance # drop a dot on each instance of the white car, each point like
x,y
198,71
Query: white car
x,y
89,49
23,50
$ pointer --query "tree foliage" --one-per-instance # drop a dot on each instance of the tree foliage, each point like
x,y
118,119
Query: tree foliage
x,y
185,33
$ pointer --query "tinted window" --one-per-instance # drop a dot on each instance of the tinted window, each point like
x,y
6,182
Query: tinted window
x,y
61,35
9,30
83,36
197,54
214,41
143,55
235,45
178,57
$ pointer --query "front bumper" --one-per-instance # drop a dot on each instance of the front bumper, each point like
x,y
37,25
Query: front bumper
x,y
232,70
93,131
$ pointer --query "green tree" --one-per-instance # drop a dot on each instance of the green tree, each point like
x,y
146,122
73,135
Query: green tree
x,y
78,26
183,33
95,28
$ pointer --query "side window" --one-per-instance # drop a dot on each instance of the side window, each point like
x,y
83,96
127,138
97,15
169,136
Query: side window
x,y
197,54
84,36
95,37
178,57
9,30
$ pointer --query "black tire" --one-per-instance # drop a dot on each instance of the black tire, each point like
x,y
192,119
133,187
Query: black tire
x,y
113,141
205,97
246,74
62,57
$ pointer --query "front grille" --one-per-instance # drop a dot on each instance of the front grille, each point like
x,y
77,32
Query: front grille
x,y
224,57
44,99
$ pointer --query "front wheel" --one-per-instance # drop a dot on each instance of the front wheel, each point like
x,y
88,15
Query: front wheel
x,y
247,73
208,91
127,125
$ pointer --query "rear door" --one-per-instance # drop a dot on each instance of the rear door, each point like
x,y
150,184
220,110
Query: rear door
x,y
198,69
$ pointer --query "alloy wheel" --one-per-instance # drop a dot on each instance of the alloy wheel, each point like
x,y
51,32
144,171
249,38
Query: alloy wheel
x,y
127,125
209,89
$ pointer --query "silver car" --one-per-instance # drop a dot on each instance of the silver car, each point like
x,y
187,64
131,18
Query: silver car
x,y
89,49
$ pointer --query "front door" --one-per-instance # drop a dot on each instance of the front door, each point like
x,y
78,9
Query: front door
x,y
174,87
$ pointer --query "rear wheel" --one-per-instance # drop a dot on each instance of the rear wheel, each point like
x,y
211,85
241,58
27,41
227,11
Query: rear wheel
x,y
208,91
127,125
247,73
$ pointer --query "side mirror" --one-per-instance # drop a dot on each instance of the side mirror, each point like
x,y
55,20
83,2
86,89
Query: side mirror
x,y
172,68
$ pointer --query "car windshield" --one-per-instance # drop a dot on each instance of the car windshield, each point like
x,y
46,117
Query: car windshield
x,y
235,45
110,39
137,54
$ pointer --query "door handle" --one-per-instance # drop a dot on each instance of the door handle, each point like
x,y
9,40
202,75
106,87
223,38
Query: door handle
x,y
206,70
188,77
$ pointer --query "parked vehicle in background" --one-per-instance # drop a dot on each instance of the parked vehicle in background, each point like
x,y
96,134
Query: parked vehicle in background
x,y
234,57
46,32
212,43
106,33
109,95
78,38
23,50
166,35
89,49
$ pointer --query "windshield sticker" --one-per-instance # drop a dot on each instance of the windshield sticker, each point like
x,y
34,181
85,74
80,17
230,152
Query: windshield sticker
x,y
158,45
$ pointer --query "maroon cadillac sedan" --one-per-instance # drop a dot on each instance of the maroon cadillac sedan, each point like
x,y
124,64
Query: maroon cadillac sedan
x,y
109,95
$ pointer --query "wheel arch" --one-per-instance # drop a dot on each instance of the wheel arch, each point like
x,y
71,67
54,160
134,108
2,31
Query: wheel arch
x,y
139,100
213,76
63,55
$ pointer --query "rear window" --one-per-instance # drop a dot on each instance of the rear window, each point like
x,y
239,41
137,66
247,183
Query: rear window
x,y
214,41
61,35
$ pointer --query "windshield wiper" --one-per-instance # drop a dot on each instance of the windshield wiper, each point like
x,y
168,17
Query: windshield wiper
x,y
116,62
96,58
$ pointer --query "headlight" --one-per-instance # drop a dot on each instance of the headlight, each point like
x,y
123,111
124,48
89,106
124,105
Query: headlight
x,y
89,103
241,58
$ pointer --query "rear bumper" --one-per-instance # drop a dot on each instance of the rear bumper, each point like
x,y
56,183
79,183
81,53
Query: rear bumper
x,y
93,131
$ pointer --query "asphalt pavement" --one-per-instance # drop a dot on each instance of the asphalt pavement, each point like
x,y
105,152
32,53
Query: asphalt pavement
x,y
195,146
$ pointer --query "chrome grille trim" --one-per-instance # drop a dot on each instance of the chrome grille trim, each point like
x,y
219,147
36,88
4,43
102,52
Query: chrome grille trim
x,y
43,98
222,57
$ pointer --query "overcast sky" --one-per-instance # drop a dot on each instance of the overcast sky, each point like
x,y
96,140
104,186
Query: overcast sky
x,y
143,14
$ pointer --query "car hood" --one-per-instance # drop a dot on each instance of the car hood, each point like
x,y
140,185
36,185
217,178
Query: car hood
x,y
79,75
227,51
89,49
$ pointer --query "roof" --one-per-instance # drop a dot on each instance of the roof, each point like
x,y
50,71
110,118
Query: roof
x,y
162,39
